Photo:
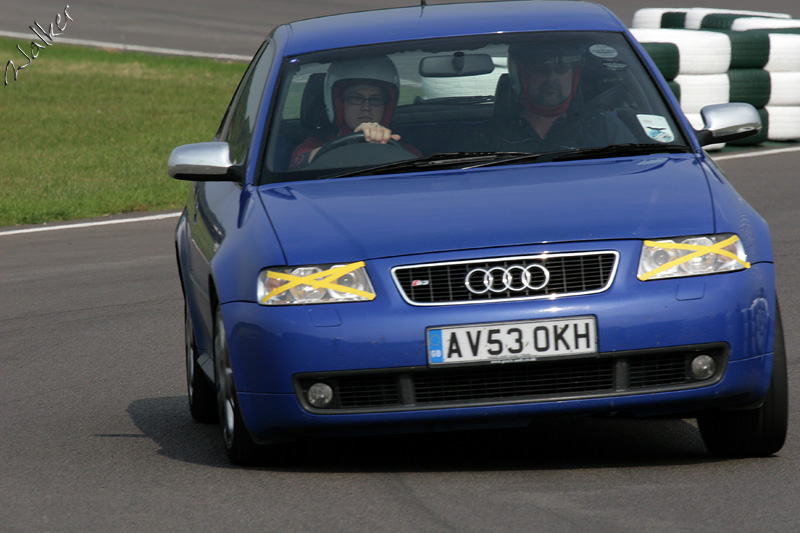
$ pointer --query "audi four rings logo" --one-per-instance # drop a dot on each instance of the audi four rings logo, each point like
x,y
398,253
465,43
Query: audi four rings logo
x,y
515,278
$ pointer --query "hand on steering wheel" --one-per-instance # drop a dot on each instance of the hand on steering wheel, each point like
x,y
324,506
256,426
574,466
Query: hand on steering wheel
x,y
375,133
352,138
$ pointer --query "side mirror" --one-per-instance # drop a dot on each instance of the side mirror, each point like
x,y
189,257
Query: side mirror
x,y
728,122
210,161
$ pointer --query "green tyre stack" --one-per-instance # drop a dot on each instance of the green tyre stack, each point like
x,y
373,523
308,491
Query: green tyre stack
x,y
728,56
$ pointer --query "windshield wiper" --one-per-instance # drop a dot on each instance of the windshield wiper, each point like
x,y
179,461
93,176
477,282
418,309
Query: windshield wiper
x,y
622,150
617,150
469,160
447,160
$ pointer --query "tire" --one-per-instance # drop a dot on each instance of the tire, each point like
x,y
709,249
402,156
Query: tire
x,y
201,394
758,432
239,445
783,123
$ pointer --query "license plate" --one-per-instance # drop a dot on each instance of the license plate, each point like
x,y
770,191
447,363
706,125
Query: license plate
x,y
512,341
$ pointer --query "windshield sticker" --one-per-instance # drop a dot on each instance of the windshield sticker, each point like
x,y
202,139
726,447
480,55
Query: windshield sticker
x,y
614,65
656,127
603,51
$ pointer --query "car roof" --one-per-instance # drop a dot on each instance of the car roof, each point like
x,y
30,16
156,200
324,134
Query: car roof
x,y
444,20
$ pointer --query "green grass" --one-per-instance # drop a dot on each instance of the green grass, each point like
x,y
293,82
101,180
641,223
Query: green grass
x,y
88,132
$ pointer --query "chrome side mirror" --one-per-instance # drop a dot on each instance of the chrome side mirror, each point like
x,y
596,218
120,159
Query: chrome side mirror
x,y
728,122
209,161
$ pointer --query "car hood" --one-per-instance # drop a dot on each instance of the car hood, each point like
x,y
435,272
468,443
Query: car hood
x,y
353,219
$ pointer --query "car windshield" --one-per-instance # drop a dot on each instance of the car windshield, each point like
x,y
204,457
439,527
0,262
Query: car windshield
x,y
452,102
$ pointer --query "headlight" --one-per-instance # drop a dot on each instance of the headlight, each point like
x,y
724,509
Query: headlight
x,y
314,284
691,256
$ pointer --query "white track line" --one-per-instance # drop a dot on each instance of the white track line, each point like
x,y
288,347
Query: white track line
x,y
133,47
757,154
115,46
39,229
229,57
172,215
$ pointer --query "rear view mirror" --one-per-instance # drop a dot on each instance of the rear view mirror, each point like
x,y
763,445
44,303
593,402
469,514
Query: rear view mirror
x,y
457,64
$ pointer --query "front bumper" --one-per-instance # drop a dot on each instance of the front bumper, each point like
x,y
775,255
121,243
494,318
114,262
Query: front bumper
x,y
274,350
280,416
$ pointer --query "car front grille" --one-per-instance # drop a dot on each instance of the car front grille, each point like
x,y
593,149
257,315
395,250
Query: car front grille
x,y
552,275
596,376
505,381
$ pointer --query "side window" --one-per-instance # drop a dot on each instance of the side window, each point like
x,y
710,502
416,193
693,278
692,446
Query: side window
x,y
225,125
238,125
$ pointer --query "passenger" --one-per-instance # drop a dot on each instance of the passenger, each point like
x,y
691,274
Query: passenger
x,y
545,110
360,97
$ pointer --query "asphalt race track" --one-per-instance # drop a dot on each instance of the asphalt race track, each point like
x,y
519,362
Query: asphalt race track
x,y
239,26
96,434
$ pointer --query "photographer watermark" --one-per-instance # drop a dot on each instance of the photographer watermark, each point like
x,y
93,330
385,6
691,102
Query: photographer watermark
x,y
42,35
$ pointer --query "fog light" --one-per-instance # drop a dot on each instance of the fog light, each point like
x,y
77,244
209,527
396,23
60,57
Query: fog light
x,y
320,394
703,367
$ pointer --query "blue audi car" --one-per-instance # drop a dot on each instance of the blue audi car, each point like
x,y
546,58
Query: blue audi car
x,y
468,216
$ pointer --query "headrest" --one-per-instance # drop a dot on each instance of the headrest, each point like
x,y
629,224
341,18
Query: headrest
x,y
312,107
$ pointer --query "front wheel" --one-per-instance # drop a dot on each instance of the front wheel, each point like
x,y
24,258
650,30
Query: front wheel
x,y
201,394
239,445
753,432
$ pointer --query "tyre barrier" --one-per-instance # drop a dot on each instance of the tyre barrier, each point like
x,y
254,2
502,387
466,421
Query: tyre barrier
x,y
715,56
699,52
690,18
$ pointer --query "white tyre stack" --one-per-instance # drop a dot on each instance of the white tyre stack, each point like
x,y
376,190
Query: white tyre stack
x,y
729,56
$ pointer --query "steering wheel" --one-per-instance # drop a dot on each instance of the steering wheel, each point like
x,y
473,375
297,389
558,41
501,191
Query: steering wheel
x,y
346,140
604,100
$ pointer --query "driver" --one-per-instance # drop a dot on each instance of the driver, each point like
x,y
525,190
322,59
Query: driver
x,y
546,112
360,97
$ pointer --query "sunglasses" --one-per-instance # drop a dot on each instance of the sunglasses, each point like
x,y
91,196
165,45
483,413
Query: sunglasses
x,y
545,69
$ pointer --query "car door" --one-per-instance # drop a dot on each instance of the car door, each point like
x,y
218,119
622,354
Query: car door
x,y
215,203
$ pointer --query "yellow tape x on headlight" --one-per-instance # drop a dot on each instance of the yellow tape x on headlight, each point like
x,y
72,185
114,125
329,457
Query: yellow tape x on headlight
x,y
691,256
314,284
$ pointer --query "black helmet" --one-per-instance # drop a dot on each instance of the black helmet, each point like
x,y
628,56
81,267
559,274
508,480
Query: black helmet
x,y
525,54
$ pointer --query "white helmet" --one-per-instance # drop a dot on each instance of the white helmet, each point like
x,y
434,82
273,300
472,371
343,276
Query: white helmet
x,y
379,71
